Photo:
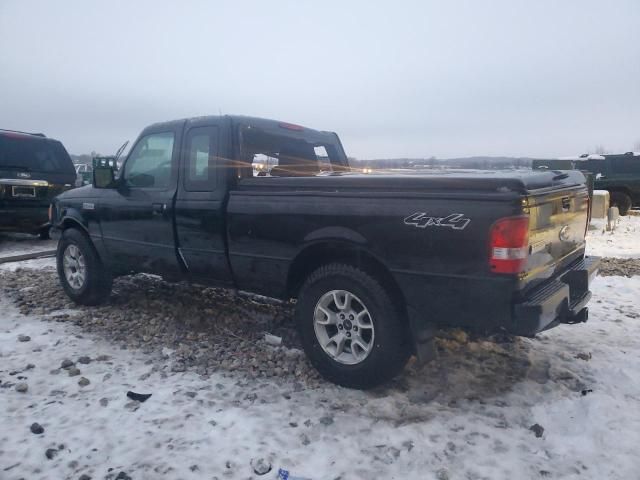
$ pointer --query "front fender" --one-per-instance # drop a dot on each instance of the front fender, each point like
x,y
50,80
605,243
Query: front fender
x,y
82,218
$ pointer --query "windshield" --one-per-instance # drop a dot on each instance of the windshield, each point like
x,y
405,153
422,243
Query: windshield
x,y
34,155
282,150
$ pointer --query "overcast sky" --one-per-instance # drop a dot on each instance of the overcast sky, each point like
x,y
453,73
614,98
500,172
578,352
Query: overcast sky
x,y
394,79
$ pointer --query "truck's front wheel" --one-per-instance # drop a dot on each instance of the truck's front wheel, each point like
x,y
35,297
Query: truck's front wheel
x,y
350,327
80,269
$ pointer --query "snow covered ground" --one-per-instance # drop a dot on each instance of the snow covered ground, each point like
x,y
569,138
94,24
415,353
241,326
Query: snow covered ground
x,y
17,244
623,242
467,415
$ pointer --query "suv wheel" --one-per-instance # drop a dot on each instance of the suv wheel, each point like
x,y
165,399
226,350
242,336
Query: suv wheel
x,y
81,272
622,201
350,327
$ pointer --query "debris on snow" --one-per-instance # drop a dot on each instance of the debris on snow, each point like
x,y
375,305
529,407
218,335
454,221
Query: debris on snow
x,y
261,466
138,397
537,429
285,475
584,356
272,339
22,387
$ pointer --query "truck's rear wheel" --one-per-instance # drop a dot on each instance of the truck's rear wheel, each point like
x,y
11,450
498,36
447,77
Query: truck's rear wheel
x,y
350,327
81,272
622,201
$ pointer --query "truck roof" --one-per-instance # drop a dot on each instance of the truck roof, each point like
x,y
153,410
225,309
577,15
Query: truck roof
x,y
254,121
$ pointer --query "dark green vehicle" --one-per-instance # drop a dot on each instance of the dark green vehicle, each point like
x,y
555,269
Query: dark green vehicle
x,y
620,175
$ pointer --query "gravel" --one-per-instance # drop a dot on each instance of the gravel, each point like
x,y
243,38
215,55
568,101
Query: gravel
x,y
625,267
66,363
22,387
50,453
188,327
261,466
36,428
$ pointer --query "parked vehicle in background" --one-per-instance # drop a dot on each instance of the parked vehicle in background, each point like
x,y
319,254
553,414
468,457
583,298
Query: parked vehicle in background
x,y
33,170
620,175
375,261
85,172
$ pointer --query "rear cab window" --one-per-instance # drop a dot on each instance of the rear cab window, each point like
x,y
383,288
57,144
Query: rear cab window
x,y
272,149
201,162
33,154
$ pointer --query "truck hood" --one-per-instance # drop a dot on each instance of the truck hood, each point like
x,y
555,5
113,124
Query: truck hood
x,y
81,192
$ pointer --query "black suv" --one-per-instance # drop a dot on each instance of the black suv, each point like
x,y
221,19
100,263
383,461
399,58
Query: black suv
x,y
33,170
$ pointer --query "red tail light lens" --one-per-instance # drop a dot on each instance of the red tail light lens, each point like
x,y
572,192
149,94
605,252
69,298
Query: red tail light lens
x,y
509,245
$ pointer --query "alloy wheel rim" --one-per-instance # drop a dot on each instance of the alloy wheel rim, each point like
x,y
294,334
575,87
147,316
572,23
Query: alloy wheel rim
x,y
74,267
343,327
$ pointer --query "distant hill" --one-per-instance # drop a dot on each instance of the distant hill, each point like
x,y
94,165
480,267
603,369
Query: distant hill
x,y
479,162
482,163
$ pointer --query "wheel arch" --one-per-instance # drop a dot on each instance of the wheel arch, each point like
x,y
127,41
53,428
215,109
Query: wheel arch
x,y
324,252
620,189
71,222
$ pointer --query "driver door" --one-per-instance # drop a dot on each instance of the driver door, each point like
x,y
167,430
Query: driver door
x,y
137,217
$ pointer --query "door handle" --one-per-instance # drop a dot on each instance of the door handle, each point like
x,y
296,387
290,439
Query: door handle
x,y
159,208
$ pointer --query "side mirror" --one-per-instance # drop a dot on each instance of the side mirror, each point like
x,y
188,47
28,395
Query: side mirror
x,y
103,177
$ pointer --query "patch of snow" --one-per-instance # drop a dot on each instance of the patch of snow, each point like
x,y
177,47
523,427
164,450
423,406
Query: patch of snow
x,y
623,242
35,264
466,415
18,244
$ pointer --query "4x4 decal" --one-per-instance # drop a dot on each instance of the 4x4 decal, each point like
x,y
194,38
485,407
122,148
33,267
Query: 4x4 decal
x,y
457,221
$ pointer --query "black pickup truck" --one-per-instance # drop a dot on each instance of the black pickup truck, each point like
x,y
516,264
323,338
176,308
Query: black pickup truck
x,y
375,261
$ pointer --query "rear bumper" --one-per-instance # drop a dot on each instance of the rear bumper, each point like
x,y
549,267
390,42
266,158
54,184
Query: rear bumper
x,y
562,300
28,219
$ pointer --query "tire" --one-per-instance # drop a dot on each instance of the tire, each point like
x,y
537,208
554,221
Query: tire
x,y
622,201
94,286
382,329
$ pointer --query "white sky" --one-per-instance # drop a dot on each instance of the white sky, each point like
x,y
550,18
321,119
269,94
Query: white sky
x,y
394,79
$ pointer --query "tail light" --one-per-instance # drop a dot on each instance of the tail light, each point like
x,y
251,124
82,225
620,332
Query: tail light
x,y
509,245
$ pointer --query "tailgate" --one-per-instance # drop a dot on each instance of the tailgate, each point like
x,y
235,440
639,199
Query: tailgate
x,y
28,192
557,228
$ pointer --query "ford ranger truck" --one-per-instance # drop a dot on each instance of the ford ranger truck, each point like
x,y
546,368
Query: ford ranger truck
x,y
375,261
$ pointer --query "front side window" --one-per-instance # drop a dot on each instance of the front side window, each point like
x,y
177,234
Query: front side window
x,y
149,164
626,165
